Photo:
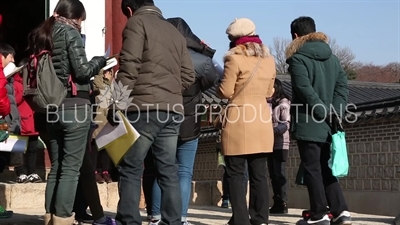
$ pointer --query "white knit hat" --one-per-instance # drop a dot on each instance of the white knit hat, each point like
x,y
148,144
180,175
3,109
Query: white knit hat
x,y
241,27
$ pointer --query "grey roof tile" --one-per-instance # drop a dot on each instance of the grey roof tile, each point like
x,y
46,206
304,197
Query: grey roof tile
x,y
359,92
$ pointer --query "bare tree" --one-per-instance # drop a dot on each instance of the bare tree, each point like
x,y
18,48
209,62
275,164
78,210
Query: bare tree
x,y
346,58
278,50
344,54
389,73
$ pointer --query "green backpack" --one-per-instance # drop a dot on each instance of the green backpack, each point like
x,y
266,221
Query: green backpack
x,y
43,90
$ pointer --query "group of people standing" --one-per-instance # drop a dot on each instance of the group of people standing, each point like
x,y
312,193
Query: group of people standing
x,y
164,65
318,82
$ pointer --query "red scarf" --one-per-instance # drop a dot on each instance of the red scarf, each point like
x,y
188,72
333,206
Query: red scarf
x,y
246,39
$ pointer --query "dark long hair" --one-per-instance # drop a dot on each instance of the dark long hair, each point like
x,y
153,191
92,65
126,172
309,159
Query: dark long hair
x,y
41,38
279,93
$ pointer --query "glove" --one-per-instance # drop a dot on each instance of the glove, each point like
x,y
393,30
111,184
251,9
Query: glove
x,y
101,61
276,131
333,122
112,118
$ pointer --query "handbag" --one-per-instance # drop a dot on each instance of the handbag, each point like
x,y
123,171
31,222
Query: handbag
x,y
339,161
219,121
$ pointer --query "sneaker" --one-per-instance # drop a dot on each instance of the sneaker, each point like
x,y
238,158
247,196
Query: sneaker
x,y
4,214
279,208
22,179
154,222
307,214
34,178
109,221
99,178
324,221
225,204
106,176
343,219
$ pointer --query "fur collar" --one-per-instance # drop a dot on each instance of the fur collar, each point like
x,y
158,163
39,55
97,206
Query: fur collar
x,y
250,49
297,43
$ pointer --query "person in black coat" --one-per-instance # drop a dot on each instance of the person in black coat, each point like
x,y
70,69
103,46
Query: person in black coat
x,y
206,76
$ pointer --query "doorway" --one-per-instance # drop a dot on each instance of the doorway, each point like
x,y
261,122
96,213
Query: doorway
x,y
20,17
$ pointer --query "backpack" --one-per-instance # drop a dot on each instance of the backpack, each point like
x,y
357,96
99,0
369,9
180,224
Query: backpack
x,y
43,90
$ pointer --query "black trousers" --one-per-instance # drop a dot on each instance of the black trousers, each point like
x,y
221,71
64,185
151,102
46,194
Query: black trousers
x,y
276,167
100,159
225,183
323,188
149,176
30,157
259,199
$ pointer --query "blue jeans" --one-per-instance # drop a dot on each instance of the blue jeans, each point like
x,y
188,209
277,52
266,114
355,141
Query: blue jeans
x,y
68,131
185,155
160,131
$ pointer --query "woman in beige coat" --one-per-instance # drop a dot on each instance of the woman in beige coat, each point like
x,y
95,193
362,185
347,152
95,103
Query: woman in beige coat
x,y
247,132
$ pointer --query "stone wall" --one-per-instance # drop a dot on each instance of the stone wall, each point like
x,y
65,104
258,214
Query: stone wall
x,y
373,182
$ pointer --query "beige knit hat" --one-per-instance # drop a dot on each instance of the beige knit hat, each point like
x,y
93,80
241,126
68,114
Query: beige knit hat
x,y
241,27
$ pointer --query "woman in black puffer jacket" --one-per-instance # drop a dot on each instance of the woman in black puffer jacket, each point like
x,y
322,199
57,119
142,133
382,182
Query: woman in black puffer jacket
x,y
69,126
206,76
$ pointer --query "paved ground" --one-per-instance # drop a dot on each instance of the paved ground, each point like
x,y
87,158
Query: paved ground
x,y
203,216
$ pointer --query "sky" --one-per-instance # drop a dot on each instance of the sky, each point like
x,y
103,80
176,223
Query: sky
x,y
370,28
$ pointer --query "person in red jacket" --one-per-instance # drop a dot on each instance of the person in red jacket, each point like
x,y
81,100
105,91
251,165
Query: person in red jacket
x,y
7,56
27,129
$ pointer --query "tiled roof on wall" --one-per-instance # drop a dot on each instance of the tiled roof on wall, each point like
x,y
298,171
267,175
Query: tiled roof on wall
x,y
359,117
359,92
374,101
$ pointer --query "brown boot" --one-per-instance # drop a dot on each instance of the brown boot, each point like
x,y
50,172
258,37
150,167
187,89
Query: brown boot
x,y
47,219
106,176
99,178
63,221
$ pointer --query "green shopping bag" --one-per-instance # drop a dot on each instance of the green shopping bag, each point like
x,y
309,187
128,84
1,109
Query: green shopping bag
x,y
339,161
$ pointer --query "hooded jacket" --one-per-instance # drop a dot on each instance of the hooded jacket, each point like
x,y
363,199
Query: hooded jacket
x,y
319,87
154,63
206,75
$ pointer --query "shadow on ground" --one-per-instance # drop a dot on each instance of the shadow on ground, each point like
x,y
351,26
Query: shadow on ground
x,y
198,216
22,219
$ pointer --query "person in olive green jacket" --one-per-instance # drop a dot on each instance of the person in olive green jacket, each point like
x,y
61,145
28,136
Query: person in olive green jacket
x,y
156,67
320,93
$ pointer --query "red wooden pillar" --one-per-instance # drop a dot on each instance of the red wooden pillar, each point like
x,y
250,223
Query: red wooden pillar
x,y
115,23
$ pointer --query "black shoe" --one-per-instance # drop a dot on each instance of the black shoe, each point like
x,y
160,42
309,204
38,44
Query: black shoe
x,y
85,218
343,219
279,208
324,221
